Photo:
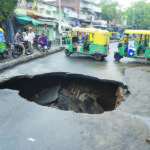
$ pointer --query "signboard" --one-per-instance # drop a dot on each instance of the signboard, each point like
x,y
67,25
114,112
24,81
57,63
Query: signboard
x,y
20,12
77,23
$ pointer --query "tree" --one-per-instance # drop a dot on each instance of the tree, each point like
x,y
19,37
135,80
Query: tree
x,y
109,9
7,8
139,15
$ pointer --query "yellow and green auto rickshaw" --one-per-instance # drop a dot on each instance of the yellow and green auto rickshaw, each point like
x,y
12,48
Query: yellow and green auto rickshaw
x,y
3,49
88,41
65,36
139,48
114,35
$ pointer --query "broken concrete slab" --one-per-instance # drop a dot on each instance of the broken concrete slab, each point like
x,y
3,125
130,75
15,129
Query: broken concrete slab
x,y
47,96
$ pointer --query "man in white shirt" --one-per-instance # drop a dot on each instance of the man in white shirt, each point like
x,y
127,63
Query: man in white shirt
x,y
31,37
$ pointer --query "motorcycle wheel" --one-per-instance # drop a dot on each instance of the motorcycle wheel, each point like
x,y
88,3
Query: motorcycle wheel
x,y
28,51
17,52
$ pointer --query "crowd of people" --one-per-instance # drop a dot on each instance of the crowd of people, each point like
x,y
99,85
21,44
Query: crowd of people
x,y
24,37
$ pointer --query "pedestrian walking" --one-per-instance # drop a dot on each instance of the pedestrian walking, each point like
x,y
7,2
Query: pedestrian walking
x,y
46,33
31,37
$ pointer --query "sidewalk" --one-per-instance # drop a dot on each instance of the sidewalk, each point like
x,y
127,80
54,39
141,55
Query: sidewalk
x,y
12,62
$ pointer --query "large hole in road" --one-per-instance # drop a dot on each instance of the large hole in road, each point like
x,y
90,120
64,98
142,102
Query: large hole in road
x,y
65,91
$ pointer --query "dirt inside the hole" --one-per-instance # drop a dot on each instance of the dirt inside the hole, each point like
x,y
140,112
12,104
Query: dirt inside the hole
x,y
64,91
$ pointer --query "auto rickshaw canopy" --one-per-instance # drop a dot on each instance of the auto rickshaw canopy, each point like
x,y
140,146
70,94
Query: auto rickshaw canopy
x,y
137,32
78,29
1,30
89,30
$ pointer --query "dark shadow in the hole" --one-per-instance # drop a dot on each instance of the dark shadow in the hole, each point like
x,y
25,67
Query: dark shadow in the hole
x,y
69,91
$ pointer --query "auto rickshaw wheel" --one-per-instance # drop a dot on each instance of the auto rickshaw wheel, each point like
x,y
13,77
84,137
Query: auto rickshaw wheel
x,y
67,52
148,59
117,56
98,57
4,54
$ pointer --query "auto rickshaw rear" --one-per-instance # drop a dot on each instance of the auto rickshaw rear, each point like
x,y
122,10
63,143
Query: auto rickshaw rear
x,y
3,48
137,48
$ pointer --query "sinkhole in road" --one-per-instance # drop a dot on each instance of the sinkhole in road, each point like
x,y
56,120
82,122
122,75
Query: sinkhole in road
x,y
72,92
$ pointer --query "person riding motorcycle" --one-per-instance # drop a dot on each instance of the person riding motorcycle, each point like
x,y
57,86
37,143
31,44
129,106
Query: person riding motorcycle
x,y
19,41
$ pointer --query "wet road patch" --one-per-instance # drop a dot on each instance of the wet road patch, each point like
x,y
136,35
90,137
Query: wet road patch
x,y
76,92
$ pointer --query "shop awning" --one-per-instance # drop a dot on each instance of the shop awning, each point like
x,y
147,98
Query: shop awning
x,y
27,20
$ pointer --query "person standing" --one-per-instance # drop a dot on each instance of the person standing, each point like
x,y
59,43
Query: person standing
x,y
25,36
46,33
19,41
31,37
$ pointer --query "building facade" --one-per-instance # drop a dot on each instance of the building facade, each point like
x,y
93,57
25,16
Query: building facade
x,y
81,12
40,11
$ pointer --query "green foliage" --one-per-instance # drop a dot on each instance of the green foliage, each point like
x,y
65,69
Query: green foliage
x,y
139,15
109,9
7,8
29,0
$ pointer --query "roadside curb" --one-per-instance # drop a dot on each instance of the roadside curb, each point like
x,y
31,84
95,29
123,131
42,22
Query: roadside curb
x,y
24,59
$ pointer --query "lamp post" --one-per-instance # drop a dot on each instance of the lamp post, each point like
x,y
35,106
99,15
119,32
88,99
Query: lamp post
x,y
60,22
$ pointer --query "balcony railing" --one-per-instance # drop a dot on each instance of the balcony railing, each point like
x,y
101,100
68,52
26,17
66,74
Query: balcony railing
x,y
84,5
45,14
84,17
96,9
73,15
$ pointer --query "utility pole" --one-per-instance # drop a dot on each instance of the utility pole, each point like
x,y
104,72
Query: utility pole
x,y
79,12
60,21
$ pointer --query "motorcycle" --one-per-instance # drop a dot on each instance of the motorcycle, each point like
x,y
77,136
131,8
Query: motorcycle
x,y
17,50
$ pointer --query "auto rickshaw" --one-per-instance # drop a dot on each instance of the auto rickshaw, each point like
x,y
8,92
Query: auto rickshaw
x,y
65,36
88,41
114,35
3,49
139,48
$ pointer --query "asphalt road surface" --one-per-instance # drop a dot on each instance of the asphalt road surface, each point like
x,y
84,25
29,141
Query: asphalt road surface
x,y
27,126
